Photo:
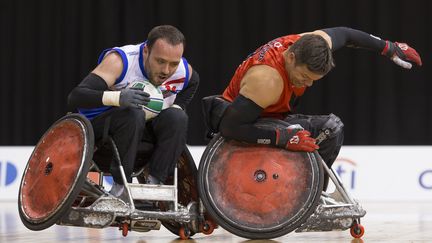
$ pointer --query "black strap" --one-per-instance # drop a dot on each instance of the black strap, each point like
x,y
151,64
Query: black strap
x,y
185,96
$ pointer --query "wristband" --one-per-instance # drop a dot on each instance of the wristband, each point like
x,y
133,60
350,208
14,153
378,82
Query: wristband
x,y
111,98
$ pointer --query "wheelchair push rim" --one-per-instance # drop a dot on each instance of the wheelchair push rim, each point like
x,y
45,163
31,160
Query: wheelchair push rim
x,y
257,191
55,172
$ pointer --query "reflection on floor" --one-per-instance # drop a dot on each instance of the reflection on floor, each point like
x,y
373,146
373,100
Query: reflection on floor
x,y
384,222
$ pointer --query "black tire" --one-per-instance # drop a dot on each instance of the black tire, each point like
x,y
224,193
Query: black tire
x,y
70,139
238,226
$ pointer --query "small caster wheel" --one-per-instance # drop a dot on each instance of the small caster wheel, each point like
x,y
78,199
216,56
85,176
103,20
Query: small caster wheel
x,y
207,227
357,230
125,229
184,233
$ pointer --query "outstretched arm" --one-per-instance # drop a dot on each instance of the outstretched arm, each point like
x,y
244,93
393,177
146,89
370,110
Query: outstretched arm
x,y
400,53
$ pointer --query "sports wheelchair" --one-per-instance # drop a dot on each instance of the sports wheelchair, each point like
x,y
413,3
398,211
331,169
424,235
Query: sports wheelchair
x,y
63,184
263,192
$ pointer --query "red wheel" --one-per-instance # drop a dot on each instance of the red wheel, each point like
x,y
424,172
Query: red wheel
x,y
258,191
207,227
184,233
55,172
125,229
357,230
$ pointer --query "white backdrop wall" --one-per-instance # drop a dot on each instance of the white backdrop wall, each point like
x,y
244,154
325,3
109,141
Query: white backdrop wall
x,y
370,173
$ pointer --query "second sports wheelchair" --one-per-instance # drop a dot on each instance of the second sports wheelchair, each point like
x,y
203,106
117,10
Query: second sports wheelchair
x,y
63,184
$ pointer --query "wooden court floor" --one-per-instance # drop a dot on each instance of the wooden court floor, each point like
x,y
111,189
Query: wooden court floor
x,y
384,222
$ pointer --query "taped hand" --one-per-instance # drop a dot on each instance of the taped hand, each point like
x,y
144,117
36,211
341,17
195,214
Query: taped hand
x,y
295,138
401,54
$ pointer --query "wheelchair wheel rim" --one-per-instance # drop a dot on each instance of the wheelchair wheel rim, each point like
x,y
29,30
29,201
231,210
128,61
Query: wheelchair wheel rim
x,y
53,170
256,191
259,192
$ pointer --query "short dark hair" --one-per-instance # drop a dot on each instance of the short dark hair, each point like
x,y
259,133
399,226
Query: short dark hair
x,y
167,32
314,51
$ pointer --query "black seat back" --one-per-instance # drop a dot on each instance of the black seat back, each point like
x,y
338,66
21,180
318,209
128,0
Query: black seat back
x,y
213,108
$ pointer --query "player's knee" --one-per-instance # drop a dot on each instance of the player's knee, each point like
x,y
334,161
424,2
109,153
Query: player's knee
x,y
335,124
135,118
177,118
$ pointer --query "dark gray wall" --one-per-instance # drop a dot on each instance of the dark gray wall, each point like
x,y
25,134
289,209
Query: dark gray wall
x,y
47,47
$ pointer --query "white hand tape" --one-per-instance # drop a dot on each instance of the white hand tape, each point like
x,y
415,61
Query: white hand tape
x,y
401,62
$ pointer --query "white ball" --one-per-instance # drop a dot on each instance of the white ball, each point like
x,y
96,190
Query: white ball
x,y
154,107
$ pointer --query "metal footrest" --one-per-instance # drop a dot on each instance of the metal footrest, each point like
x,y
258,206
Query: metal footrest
x,y
153,192
336,210
100,214
107,210
332,217
183,214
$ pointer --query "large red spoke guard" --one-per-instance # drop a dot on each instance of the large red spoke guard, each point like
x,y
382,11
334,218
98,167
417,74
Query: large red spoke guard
x,y
55,172
258,191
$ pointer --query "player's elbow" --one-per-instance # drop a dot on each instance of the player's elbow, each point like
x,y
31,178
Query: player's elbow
x,y
72,100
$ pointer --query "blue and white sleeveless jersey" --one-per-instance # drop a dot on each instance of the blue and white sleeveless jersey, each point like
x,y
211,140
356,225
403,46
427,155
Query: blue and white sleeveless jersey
x,y
133,70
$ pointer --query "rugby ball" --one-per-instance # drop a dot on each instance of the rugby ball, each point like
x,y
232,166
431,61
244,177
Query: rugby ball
x,y
154,107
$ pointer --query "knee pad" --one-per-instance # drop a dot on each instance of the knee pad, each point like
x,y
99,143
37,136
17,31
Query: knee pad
x,y
173,113
334,123
135,116
333,127
173,118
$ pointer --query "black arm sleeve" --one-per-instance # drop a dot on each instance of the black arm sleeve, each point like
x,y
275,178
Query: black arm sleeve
x,y
344,36
185,96
238,123
88,94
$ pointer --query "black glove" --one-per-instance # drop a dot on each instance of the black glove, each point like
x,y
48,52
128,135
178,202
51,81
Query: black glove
x,y
134,98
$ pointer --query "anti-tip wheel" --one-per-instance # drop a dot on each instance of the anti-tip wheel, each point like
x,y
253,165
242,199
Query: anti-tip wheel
x,y
125,229
357,230
184,233
207,227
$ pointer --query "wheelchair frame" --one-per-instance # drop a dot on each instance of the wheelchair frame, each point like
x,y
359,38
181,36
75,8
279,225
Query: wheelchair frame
x,y
337,210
